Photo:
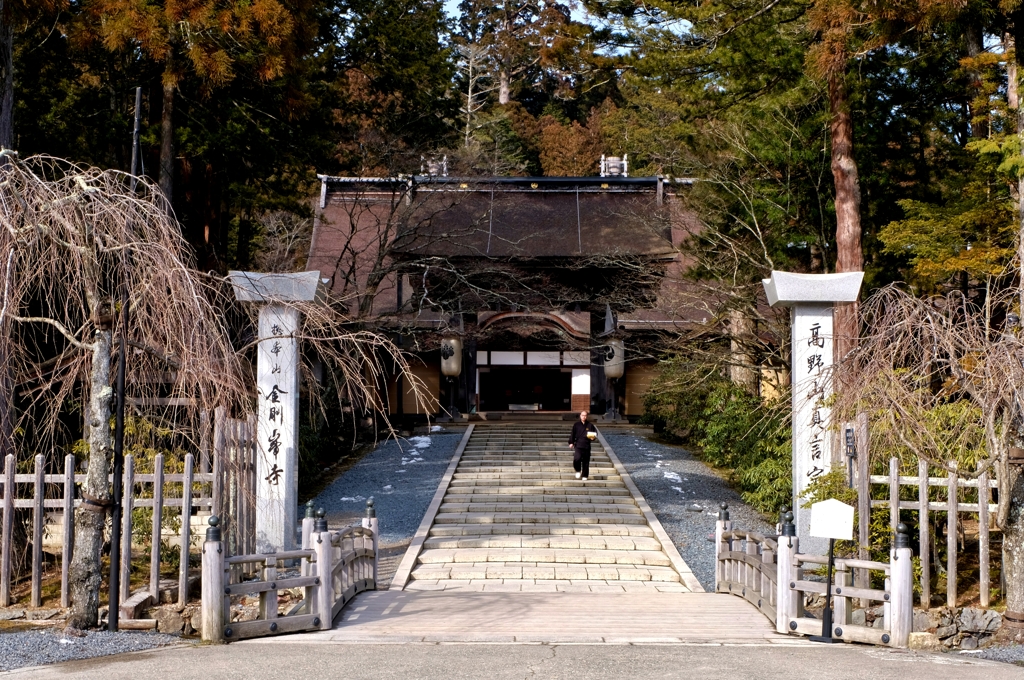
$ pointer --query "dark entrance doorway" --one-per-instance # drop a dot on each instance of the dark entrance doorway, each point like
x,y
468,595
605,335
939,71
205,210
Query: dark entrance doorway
x,y
543,389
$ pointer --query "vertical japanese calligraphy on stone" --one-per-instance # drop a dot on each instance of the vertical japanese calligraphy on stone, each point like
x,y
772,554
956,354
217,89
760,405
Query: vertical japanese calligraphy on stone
x,y
277,396
811,297
277,429
812,388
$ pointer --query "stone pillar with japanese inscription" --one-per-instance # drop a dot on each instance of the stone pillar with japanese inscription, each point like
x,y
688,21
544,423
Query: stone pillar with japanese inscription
x,y
811,297
277,432
277,395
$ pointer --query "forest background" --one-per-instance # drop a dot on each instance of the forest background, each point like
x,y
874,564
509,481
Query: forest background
x,y
827,134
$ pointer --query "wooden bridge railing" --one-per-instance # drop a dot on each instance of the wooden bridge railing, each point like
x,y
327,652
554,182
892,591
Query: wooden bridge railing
x,y
333,567
746,567
768,571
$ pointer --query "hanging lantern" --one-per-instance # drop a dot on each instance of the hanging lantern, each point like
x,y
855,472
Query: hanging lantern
x,y
614,359
451,357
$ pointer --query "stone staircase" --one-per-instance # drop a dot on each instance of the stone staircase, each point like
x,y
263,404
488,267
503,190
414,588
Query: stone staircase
x,y
515,518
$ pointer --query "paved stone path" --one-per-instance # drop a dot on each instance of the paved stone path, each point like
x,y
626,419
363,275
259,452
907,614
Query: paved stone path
x,y
515,549
395,616
515,518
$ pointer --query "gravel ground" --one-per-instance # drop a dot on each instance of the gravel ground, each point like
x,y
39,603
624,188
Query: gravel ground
x,y
37,647
1010,654
685,495
401,476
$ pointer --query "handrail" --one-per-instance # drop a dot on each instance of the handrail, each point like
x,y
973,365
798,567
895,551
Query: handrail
x,y
768,573
334,566
746,565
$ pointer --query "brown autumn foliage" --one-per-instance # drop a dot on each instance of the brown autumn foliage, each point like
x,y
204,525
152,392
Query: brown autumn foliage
x,y
570,150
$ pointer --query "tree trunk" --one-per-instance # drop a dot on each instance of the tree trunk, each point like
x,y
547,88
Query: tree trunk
x,y
167,140
1013,542
1013,99
504,88
849,257
86,563
6,76
1013,526
975,45
1011,73
741,337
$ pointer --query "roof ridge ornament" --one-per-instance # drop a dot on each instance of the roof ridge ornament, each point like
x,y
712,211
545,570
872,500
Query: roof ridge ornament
x,y
614,166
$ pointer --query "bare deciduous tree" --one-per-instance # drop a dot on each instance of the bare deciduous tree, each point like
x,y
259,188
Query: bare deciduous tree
x,y
74,240
938,381
284,241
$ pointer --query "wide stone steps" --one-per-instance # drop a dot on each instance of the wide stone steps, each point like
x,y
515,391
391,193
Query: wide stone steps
x,y
513,476
583,491
603,573
538,517
560,452
550,508
538,498
571,483
541,529
552,471
540,542
514,514
546,555
560,456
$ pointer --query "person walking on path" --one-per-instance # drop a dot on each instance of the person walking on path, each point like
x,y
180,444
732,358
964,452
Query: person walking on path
x,y
583,432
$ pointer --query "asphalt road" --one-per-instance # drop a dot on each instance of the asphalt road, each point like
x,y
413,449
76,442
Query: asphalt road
x,y
501,661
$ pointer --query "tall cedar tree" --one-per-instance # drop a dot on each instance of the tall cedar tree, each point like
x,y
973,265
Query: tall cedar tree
x,y
210,40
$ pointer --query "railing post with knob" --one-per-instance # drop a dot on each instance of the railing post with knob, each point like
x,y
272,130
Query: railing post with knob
x,y
786,604
213,605
370,522
307,526
721,526
305,565
325,571
902,598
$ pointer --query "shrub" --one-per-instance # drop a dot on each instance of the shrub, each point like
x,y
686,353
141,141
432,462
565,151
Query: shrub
x,y
728,429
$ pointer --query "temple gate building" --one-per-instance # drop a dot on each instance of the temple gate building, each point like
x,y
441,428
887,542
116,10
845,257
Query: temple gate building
x,y
549,283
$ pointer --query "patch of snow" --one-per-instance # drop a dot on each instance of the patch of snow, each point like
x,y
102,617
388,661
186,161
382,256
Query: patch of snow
x,y
420,442
388,487
676,488
672,476
352,499
436,428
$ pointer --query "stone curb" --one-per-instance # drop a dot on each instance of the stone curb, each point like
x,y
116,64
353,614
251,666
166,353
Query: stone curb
x,y
685,573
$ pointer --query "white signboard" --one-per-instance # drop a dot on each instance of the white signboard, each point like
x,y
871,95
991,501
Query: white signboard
x,y
832,519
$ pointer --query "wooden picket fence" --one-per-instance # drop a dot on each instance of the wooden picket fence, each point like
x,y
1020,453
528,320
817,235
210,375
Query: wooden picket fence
x,y
53,497
234,443
333,567
960,496
768,571
955,487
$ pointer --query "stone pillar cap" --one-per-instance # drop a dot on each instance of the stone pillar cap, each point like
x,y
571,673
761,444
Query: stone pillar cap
x,y
290,287
785,289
